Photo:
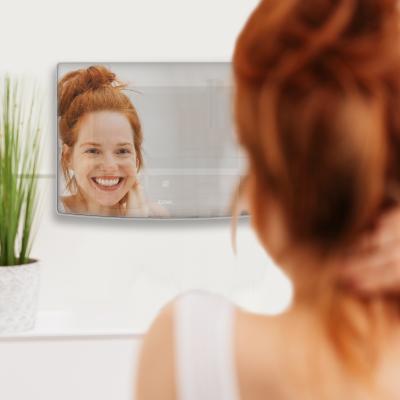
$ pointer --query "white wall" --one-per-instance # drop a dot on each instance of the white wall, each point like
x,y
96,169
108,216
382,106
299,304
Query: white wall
x,y
95,368
128,265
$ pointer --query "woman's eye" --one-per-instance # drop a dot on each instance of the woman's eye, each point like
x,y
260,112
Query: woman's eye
x,y
124,151
92,151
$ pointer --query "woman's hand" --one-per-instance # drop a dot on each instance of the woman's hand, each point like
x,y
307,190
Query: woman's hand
x,y
374,265
136,205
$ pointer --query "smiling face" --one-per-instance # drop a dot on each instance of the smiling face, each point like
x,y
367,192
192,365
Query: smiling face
x,y
103,158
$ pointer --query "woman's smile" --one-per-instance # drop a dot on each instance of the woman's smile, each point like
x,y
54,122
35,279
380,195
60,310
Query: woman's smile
x,y
108,183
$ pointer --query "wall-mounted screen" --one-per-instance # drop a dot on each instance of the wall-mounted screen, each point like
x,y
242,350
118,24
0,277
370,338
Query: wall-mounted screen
x,y
146,140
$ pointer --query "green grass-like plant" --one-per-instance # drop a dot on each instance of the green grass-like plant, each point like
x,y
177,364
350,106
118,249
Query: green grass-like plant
x,y
20,131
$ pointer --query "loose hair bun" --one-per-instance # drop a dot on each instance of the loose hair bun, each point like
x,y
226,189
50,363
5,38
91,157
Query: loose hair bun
x,y
77,82
319,40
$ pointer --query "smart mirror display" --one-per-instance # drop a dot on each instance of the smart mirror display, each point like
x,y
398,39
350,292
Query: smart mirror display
x,y
146,140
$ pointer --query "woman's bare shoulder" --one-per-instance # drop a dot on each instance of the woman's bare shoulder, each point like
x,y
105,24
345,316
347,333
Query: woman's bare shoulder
x,y
277,355
270,353
257,349
66,203
71,204
254,334
155,377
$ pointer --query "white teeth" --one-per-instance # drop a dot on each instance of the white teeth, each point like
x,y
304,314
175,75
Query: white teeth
x,y
107,182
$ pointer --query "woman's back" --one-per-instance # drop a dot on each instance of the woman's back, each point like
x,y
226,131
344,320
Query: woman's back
x,y
203,347
225,353
290,357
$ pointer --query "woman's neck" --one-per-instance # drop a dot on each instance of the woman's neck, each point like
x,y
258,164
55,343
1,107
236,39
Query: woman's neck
x,y
98,209
133,205
78,204
312,275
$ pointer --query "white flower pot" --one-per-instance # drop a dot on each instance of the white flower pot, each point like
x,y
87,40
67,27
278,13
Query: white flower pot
x,y
19,292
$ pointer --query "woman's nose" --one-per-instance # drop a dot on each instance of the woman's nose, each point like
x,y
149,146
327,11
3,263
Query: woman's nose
x,y
109,163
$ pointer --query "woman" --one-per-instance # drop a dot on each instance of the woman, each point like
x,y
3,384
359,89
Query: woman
x,y
101,147
316,107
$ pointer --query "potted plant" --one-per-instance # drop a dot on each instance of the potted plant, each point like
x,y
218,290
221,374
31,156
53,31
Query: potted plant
x,y
20,129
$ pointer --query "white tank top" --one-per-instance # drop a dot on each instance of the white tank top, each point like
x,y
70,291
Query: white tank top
x,y
204,356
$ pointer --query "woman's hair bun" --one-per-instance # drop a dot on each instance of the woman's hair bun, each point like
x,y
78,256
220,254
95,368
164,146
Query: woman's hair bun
x,y
99,76
77,82
318,38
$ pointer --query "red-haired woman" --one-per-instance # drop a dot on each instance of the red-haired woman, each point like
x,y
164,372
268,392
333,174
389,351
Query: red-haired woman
x,y
317,111
101,140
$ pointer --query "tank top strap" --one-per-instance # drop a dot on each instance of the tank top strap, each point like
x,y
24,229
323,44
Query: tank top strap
x,y
204,356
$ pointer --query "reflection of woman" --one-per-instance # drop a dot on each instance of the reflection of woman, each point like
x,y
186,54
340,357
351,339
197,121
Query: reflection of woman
x,y
316,106
101,154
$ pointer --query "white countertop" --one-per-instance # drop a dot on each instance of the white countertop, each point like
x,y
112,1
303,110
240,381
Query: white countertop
x,y
84,324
